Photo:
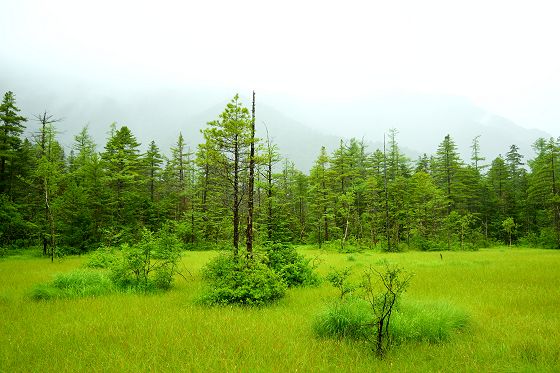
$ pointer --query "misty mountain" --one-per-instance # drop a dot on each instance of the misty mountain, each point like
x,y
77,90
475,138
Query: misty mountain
x,y
157,112
422,122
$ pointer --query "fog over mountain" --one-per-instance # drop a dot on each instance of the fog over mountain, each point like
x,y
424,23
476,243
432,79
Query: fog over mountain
x,y
156,111
321,70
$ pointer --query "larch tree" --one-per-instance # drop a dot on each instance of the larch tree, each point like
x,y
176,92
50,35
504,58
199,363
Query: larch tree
x,y
228,142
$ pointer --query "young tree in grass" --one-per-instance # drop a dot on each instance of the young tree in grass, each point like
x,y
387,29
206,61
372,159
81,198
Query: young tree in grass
x,y
382,290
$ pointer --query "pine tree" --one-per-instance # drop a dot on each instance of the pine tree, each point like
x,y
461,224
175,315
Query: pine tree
x,y
123,169
11,127
447,167
544,189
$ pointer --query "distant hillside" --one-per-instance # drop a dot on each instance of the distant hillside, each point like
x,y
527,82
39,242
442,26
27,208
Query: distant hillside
x,y
160,116
155,112
422,122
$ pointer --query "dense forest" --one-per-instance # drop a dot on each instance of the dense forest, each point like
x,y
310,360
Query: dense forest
x,y
78,199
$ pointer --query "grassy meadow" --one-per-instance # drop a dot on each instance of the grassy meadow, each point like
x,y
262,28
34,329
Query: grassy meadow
x,y
511,295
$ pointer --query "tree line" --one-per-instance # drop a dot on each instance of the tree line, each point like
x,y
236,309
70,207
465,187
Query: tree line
x,y
234,187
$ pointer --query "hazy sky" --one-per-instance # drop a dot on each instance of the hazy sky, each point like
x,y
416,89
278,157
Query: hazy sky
x,y
503,55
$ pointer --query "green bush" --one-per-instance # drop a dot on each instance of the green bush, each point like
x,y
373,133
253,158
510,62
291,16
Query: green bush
x,y
76,284
293,267
148,265
101,258
241,281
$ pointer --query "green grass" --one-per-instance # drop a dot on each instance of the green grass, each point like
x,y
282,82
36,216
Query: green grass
x,y
511,295
75,284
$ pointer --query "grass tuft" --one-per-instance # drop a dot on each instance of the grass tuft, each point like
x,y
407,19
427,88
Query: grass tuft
x,y
343,319
432,322
75,284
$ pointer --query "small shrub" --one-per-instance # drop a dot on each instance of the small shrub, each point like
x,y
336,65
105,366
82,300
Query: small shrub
x,y
101,258
148,265
293,267
340,280
80,283
382,290
241,281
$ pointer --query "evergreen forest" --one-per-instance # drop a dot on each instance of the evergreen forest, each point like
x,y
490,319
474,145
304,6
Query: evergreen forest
x,y
234,189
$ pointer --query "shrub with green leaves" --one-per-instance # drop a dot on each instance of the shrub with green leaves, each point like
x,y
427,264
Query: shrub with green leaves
x,y
148,265
241,281
294,268
101,258
76,284
340,280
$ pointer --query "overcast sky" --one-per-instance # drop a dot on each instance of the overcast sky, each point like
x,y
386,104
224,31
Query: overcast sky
x,y
502,55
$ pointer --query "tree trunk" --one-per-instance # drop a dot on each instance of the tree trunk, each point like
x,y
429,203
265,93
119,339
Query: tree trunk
x,y
251,185
236,198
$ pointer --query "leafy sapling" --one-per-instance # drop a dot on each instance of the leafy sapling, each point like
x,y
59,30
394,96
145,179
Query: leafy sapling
x,y
340,280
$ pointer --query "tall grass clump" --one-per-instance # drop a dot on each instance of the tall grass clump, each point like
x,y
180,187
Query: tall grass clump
x,y
348,318
241,281
76,284
432,322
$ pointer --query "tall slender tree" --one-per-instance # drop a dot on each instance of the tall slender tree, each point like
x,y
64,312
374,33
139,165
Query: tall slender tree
x,y
251,186
11,127
228,143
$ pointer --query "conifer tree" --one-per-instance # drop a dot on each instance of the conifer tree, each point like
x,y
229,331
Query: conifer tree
x,y
228,142
11,127
123,170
